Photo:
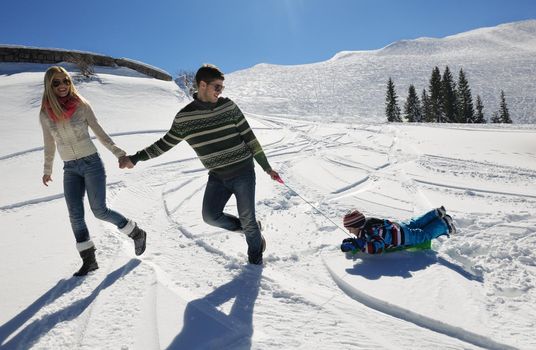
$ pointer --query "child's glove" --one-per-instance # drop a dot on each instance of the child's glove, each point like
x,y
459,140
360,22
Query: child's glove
x,y
350,244
347,246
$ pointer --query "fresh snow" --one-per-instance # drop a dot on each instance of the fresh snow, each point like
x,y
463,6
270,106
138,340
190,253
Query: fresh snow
x,y
192,288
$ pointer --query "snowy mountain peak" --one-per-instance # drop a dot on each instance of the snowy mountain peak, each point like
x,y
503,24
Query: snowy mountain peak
x,y
521,34
518,35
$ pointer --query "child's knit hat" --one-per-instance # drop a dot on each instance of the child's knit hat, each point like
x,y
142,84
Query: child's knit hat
x,y
354,218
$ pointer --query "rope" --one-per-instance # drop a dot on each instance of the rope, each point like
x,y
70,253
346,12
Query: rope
x,y
280,180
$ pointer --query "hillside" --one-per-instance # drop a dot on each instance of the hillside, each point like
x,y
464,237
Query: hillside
x,y
351,86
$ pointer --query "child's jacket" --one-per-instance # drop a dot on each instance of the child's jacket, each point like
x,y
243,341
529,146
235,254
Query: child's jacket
x,y
381,234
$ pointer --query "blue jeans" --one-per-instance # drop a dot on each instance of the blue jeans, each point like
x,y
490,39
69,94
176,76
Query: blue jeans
x,y
217,194
87,175
424,228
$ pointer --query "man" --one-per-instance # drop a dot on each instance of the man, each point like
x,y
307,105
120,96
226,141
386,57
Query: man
x,y
220,135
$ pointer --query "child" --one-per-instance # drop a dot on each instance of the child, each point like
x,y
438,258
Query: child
x,y
375,235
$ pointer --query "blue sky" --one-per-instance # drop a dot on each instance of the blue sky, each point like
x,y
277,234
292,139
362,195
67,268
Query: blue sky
x,y
237,34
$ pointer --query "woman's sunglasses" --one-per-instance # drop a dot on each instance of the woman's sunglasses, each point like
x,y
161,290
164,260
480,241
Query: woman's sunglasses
x,y
65,81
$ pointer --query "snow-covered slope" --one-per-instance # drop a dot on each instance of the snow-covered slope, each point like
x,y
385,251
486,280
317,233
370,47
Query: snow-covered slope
x,y
192,288
352,85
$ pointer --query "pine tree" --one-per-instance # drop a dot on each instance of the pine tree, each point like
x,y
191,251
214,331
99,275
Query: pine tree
x,y
466,112
495,118
479,116
449,100
412,107
435,96
504,114
425,108
392,111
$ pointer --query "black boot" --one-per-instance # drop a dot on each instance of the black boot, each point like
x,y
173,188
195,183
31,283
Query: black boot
x,y
89,262
441,212
450,224
257,258
140,237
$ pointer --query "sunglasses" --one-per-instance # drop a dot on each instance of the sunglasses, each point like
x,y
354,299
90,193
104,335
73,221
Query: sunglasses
x,y
217,87
65,81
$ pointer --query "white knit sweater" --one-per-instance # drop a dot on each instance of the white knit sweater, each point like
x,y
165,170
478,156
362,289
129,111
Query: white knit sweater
x,y
72,137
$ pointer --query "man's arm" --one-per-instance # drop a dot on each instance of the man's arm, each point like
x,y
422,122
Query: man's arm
x,y
161,146
251,141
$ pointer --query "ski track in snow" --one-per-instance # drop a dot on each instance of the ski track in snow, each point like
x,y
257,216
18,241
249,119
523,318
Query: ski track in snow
x,y
420,320
38,149
470,189
19,205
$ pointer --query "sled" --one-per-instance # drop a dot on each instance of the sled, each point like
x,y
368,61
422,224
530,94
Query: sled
x,y
412,248
426,245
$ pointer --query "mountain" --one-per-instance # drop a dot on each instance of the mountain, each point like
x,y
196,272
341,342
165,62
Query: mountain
x,y
351,86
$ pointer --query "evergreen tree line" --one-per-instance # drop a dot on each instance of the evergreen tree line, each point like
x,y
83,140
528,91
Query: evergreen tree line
x,y
445,102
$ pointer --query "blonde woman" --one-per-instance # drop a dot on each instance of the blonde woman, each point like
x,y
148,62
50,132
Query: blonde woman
x,y
65,117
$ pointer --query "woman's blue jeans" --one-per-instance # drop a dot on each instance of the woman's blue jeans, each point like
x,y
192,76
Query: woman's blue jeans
x,y
217,194
87,175
423,228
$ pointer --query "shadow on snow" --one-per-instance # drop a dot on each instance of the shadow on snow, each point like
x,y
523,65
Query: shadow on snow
x,y
402,264
35,330
206,327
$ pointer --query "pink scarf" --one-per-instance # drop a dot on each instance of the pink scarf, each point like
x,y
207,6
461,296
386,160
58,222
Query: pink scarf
x,y
67,103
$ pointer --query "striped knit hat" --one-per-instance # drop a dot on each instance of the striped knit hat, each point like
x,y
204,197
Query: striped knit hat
x,y
354,218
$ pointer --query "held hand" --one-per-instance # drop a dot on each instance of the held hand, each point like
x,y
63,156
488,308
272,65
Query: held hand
x,y
46,178
125,162
275,176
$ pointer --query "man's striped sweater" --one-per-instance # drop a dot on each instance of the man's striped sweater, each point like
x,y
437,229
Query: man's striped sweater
x,y
219,134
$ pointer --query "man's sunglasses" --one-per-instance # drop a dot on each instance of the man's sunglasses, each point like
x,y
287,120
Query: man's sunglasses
x,y
217,87
65,81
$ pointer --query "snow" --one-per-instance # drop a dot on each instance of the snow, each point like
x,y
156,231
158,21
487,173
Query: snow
x,y
192,288
145,65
